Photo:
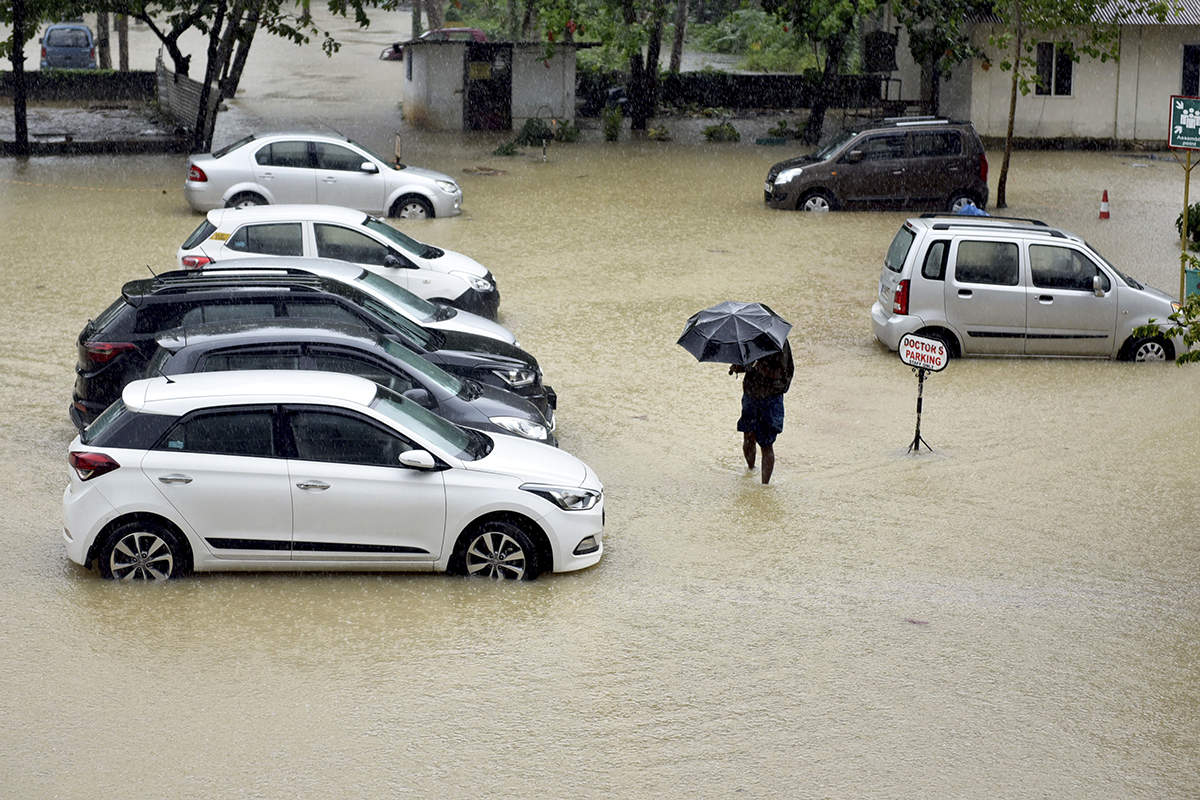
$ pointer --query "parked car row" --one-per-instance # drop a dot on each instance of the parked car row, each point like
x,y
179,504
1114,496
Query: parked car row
x,y
263,409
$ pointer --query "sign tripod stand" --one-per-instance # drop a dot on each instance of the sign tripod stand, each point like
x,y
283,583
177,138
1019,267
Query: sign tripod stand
x,y
923,355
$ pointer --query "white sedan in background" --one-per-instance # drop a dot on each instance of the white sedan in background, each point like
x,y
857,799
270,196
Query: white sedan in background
x,y
316,168
317,231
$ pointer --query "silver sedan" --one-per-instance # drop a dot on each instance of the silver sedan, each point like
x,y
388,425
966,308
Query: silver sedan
x,y
316,168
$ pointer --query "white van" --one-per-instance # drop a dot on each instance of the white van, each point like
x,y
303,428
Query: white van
x,y
1004,286
317,231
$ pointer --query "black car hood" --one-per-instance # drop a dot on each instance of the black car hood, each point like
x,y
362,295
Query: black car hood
x,y
474,343
496,402
797,161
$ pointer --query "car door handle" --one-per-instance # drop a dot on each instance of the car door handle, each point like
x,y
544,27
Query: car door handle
x,y
897,172
329,179
267,175
176,478
965,292
318,485
1045,298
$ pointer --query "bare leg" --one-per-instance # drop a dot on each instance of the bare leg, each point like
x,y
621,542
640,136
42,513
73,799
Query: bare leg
x,y
768,462
748,443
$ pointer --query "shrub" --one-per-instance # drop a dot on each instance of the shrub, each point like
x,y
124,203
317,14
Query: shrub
x,y
785,131
658,134
1193,226
534,132
611,119
506,149
722,132
565,131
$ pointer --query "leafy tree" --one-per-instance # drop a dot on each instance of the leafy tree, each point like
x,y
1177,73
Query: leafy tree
x,y
1093,29
25,17
939,36
1185,322
832,25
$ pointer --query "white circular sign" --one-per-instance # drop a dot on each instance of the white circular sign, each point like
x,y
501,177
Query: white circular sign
x,y
917,351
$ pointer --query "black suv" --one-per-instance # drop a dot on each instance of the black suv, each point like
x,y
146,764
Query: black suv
x,y
115,347
922,161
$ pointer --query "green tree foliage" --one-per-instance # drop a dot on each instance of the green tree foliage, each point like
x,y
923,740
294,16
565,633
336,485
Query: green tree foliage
x,y
939,35
767,44
1185,323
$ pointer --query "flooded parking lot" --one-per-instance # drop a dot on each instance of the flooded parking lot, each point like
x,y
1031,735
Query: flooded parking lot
x,y
1012,615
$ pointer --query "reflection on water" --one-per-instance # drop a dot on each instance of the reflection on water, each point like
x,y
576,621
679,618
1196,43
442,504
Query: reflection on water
x,y
1013,615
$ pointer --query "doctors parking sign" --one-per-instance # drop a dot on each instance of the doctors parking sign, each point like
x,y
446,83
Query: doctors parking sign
x,y
917,351
1184,130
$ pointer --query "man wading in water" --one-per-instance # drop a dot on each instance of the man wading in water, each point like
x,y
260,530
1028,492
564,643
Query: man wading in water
x,y
766,381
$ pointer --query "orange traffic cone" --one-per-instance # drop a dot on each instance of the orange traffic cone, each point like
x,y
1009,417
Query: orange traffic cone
x,y
1104,205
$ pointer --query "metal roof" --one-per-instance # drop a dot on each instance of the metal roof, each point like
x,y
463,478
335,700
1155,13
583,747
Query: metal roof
x,y
1186,13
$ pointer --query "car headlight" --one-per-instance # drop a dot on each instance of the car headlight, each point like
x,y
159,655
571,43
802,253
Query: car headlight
x,y
516,377
522,427
567,498
1175,307
789,174
449,187
477,283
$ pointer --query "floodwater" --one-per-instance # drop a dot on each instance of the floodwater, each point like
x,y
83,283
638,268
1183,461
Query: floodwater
x,y
1013,615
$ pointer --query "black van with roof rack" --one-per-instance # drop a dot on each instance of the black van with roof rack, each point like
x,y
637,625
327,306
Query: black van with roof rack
x,y
912,161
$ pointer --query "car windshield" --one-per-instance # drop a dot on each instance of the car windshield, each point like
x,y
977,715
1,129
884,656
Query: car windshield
x,y
406,243
898,250
1131,282
398,296
383,309
839,140
432,372
465,444
390,161
102,422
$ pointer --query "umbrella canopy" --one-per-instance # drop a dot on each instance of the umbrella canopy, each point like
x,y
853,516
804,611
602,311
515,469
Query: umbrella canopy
x,y
734,333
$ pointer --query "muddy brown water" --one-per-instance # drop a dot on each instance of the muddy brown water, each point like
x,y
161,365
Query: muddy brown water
x,y
1015,614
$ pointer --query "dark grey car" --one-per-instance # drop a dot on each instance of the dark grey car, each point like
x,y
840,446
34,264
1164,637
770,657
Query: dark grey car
x,y
921,161
331,347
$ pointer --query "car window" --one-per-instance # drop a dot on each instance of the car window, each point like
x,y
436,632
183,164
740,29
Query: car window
x,y
67,37
878,148
274,239
256,358
898,249
236,432
334,241
927,144
344,438
332,156
993,263
229,148
227,312
1063,268
934,267
203,231
284,154
316,308
333,361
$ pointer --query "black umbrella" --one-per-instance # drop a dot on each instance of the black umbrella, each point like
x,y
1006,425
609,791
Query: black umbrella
x,y
734,333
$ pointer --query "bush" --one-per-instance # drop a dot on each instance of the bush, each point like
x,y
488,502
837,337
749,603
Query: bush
x,y
534,132
658,134
611,119
760,38
722,132
1193,226
784,131
506,149
565,131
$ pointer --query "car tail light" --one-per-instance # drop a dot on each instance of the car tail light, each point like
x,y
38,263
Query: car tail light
x,y
92,54
90,465
195,262
103,352
196,174
900,298
983,167
43,51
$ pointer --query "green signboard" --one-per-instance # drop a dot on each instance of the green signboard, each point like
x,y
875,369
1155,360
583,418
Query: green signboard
x,y
1184,132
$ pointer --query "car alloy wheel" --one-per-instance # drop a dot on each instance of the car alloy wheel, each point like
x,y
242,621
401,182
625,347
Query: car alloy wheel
x,y
959,202
817,201
412,208
140,555
501,552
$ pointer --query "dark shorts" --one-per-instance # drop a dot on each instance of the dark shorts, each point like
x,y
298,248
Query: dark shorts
x,y
762,416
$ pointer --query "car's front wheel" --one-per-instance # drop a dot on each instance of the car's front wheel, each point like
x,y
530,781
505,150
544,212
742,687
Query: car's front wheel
x,y
499,550
1150,349
246,200
142,551
816,200
412,207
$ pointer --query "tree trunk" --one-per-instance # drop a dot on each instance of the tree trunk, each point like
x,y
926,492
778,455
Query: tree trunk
x,y
527,19
514,20
417,29
103,56
836,48
434,14
17,56
123,42
1002,183
681,11
246,33
203,128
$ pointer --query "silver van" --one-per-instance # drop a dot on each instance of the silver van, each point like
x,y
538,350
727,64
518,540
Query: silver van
x,y
1004,286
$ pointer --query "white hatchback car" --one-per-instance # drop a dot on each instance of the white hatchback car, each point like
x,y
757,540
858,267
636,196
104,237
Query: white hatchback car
x,y
316,168
274,470
316,231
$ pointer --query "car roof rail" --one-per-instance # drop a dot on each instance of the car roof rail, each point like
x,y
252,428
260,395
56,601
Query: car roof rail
x,y
1043,230
965,218
134,292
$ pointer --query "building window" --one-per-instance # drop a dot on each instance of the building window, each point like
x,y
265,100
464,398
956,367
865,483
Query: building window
x,y
1191,70
1054,67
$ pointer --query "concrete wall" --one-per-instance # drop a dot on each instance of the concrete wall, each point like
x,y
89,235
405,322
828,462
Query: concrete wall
x,y
540,87
432,89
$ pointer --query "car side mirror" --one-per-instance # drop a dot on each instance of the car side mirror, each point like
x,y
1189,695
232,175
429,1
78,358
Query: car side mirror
x,y
396,262
369,166
1097,286
417,459
854,156
420,396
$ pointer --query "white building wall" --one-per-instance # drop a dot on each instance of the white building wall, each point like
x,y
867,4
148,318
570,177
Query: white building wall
x,y
433,97
541,87
1151,71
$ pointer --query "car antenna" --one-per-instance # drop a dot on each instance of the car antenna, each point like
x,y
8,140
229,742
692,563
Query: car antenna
x,y
152,272
162,374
